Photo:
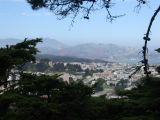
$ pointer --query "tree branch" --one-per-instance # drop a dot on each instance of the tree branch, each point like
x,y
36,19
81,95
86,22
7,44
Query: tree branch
x,y
147,38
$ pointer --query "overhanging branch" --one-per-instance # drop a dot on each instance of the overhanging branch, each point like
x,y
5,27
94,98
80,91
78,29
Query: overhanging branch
x,y
147,38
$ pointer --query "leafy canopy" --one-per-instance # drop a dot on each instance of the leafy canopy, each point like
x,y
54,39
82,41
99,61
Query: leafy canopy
x,y
15,56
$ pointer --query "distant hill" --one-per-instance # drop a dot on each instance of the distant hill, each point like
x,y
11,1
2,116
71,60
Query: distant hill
x,y
48,46
52,43
107,52
101,51
51,46
47,43
68,59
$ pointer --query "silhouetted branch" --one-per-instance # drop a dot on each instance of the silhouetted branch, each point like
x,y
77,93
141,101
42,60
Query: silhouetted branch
x,y
147,38
64,8
138,68
144,48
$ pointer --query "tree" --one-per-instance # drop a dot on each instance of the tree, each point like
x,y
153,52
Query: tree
x,y
73,68
41,67
158,68
99,85
15,56
33,85
87,72
143,100
59,67
65,8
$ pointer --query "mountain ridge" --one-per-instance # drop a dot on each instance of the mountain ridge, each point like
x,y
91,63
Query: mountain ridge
x,y
107,52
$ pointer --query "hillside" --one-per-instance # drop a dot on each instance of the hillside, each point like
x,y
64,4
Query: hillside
x,y
67,59
107,52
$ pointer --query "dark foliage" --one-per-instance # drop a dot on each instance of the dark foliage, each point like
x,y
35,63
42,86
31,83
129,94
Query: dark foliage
x,y
65,8
46,97
15,56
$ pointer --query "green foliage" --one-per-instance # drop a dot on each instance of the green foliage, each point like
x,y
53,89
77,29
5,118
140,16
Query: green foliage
x,y
19,107
73,101
122,84
158,69
15,56
158,50
146,117
67,59
59,67
99,85
144,98
87,72
73,68
33,85
144,88
29,101
41,67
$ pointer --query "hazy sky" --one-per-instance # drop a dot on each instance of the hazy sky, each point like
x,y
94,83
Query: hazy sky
x,y
18,20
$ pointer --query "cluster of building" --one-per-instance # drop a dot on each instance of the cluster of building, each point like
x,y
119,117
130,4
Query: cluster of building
x,y
113,74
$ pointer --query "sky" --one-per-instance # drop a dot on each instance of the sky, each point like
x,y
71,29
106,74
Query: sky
x,y
18,20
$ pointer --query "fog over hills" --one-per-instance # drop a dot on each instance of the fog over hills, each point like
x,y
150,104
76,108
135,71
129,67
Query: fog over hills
x,y
52,43
109,52
100,51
